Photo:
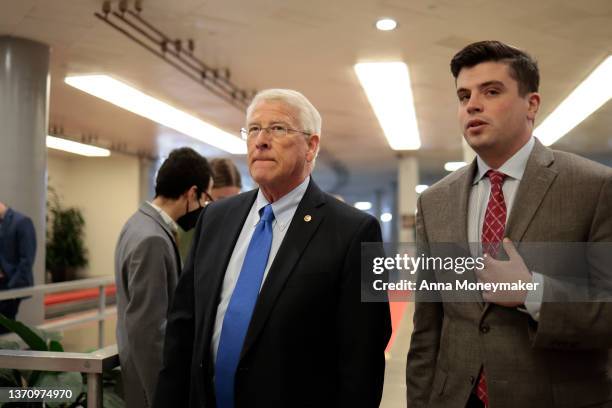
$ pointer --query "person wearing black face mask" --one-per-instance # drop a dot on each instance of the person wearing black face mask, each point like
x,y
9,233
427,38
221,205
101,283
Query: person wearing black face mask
x,y
147,267
188,222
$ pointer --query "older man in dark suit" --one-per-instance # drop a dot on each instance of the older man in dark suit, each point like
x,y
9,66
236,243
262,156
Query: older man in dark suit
x,y
519,348
268,312
147,267
17,252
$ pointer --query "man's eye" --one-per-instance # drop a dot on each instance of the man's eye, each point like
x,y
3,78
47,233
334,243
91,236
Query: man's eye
x,y
463,98
254,129
492,92
277,128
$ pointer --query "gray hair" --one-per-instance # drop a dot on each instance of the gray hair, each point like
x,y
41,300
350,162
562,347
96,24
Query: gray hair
x,y
308,115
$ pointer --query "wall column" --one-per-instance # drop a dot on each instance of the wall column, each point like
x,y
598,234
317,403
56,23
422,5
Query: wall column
x,y
24,95
408,178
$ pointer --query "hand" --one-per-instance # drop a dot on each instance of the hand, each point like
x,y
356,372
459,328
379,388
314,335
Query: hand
x,y
512,270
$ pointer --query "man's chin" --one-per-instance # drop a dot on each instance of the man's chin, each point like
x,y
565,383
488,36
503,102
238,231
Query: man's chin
x,y
261,177
478,141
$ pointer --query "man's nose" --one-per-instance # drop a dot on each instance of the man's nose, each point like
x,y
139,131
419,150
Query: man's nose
x,y
474,104
262,140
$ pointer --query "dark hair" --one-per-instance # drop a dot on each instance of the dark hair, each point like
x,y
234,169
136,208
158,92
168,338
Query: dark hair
x,y
225,173
182,169
523,68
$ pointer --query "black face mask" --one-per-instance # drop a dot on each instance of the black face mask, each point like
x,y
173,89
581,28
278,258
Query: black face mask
x,y
189,220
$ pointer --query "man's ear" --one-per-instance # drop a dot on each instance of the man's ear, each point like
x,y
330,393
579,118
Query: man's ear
x,y
533,99
191,193
313,147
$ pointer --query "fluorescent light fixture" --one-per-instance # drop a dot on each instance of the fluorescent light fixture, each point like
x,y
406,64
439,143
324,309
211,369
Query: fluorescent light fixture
x,y
452,166
589,96
363,205
387,86
386,217
135,101
76,147
420,188
386,24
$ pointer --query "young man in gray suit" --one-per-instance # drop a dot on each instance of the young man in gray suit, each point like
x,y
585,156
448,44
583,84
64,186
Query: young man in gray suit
x,y
524,348
147,267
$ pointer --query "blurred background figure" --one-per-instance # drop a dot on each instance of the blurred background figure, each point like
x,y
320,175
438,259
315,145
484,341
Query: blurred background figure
x,y
226,183
227,180
17,252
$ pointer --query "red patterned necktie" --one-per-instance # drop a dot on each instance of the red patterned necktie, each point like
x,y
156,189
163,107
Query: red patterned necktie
x,y
495,218
492,234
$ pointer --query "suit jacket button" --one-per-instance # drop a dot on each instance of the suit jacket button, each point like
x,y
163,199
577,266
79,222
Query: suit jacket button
x,y
485,328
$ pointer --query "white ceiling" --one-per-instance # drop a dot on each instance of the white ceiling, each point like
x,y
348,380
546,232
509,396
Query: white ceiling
x,y
312,46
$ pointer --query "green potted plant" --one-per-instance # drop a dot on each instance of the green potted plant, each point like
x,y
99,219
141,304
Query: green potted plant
x,y
41,340
66,251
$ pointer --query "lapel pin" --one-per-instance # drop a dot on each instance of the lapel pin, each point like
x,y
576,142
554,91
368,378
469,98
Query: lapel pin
x,y
307,218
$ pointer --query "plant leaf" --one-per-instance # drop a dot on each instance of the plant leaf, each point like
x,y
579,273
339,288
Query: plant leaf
x,y
7,378
33,378
55,345
33,340
64,380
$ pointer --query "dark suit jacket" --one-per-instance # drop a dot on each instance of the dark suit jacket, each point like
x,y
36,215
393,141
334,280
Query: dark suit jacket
x,y
17,250
311,342
559,361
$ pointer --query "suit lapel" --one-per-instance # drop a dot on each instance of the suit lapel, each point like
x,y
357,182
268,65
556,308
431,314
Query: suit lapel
x,y
459,194
460,191
537,179
298,235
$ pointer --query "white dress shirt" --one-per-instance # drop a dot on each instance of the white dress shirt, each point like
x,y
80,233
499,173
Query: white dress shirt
x,y
513,168
284,209
167,219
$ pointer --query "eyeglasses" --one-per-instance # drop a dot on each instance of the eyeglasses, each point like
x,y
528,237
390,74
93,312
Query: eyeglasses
x,y
209,198
274,131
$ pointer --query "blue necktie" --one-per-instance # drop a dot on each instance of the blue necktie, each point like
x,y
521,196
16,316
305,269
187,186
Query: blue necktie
x,y
240,309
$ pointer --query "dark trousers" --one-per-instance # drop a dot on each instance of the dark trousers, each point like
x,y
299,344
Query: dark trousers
x,y
9,309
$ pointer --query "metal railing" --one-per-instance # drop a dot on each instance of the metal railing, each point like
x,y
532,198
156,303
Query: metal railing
x,y
93,364
102,314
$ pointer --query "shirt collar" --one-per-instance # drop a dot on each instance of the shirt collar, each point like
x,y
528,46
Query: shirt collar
x,y
167,219
285,207
514,167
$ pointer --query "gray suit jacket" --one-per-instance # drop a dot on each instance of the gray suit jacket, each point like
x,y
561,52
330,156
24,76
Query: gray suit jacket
x,y
559,361
147,266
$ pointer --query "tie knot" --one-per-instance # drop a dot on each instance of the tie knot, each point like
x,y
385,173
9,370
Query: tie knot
x,y
266,214
496,177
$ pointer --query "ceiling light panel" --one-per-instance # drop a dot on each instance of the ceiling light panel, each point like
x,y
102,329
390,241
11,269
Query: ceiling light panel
x,y
76,147
387,87
585,99
135,101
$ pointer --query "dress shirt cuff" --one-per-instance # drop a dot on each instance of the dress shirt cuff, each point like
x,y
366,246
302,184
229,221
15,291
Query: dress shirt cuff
x,y
533,301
